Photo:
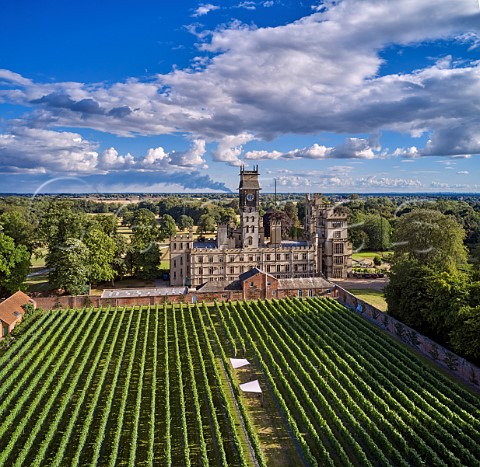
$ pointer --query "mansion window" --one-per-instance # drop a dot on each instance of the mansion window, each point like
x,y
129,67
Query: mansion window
x,y
287,257
210,259
278,256
337,234
232,270
287,267
174,263
200,259
338,260
210,270
304,256
174,246
295,256
250,258
337,224
250,240
232,259
278,268
338,248
304,267
200,271
268,257
268,268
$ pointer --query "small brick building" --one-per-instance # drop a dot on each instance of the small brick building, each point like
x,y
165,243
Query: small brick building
x,y
256,284
11,311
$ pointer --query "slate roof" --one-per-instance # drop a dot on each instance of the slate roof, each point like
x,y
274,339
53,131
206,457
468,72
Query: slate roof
x,y
304,283
11,308
219,286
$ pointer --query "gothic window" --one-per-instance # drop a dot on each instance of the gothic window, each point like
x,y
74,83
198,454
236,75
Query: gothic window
x,y
248,229
338,248
338,260
250,240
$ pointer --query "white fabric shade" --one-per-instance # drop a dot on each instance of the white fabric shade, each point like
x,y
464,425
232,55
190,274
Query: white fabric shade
x,y
239,362
251,386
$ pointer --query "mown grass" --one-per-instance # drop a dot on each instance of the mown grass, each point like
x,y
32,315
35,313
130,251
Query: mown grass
x,y
372,297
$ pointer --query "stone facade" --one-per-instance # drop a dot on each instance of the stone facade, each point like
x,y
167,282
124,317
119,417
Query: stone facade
x,y
334,249
238,250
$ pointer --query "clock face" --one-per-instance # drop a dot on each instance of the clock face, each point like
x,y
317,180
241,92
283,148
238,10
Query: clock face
x,y
249,197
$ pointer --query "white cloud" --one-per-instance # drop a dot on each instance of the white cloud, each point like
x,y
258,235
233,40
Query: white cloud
x,y
352,148
248,5
46,151
317,74
230,147
204,9
463,172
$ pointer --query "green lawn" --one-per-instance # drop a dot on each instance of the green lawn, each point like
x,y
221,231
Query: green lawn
x,y
368,254
371,296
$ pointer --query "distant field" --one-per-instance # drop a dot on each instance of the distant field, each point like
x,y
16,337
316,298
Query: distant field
x,y
77,389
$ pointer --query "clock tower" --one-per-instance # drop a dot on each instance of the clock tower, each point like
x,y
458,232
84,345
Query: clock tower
x,y
250,224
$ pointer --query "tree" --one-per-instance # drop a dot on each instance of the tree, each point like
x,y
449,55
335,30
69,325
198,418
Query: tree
x,y
144,228
206,223
292,211
168,228
432,238
14,264
101,254
378,231
465,337
16,225
185,222
68,264
280,216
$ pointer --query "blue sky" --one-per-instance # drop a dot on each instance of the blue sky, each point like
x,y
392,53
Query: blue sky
x,y
150,96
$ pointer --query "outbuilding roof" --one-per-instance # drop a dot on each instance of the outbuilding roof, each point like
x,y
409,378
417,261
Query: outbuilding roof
x,y
11,308
304,283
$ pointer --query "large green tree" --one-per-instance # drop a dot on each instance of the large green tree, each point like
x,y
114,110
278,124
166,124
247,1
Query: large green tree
x,y
101,254
167,227
378,232
69,266
431,237
14,265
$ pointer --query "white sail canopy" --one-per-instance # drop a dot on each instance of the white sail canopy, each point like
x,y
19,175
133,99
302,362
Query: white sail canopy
x,y
251,386
239,362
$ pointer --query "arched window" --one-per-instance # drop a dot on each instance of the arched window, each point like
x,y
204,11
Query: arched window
x,y
250,240
248,229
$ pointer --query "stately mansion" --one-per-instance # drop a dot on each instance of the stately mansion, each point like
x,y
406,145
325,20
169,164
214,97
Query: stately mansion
x,y
324,252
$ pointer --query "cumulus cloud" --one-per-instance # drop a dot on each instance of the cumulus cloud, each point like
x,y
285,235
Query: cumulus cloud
x,y
204,9
39,151
229,149
352,148
320,73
